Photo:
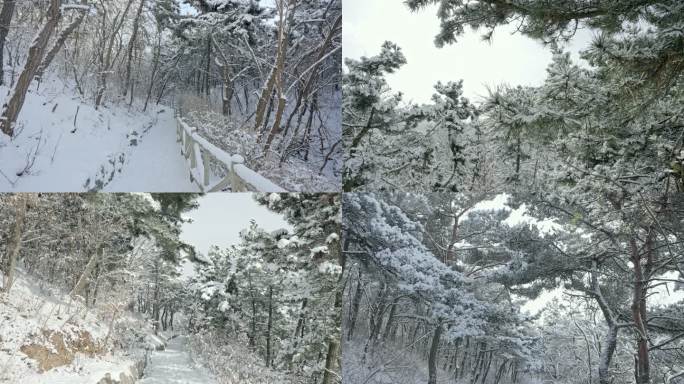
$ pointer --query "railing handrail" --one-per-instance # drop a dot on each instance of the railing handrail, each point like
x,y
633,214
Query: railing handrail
x,y
197,150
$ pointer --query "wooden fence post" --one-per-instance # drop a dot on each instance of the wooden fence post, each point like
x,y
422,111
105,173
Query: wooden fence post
x,y
206,162
197,157
200,152
236,182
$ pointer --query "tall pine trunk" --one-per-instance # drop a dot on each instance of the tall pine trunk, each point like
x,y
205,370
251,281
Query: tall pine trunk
x,y
641,359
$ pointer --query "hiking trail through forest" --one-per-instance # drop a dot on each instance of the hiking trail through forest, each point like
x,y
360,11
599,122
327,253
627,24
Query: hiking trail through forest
x,y
156,165
174,365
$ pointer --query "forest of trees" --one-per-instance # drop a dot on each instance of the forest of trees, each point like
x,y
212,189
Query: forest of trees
x,y
445,278
596,149
619,117
274,295
258,80
99,247
278,291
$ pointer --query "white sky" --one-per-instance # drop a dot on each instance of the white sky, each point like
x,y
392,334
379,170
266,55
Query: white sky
x,y
221,216
510,59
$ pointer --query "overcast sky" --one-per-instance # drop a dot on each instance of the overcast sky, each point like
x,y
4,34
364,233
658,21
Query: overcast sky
x,y
220,218
511,59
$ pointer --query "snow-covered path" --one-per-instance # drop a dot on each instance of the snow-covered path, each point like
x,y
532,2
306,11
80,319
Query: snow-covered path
x,y
175,366
156,164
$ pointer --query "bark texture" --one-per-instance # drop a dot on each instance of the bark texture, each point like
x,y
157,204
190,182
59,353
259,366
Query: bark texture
x,y
5,20
11,109
61,39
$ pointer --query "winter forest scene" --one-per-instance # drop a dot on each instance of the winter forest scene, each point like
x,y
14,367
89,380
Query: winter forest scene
x,y
160,288
170,95
514,192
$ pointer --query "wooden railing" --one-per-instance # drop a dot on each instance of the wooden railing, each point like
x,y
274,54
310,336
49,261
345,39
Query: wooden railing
x,y
199,153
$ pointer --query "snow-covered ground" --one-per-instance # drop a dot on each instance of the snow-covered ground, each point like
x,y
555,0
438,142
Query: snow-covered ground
x,y
174,365
156,165
384,364
63,144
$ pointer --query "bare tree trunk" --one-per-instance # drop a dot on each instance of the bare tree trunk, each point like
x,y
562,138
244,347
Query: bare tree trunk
x,y
330,361
252,336
155,68
299,330
354,310
275,129
313,71
207,78
245,91
89,268
332,355
95,289
607,355
642,363
228,90
500,372
306,138
105,55
14,245
432,358
269,326
5,20
610,342
59,42
390,319
131,46
277,70
263,100
451,252
11,109
269,111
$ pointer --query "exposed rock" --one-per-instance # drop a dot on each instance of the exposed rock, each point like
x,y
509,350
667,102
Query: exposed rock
x,y
57,348
130,377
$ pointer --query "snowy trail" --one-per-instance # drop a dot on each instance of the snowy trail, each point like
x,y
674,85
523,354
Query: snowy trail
x,y
175,366
156,164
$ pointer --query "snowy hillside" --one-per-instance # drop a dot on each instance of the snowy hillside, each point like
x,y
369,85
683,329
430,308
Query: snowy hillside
x,y
63,144
94,283
48,338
